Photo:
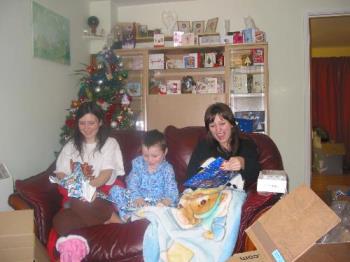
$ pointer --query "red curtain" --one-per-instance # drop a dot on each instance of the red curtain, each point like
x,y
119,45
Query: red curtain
x,y
330,92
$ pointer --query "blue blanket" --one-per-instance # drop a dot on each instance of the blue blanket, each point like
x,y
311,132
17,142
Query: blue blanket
x,y
211,237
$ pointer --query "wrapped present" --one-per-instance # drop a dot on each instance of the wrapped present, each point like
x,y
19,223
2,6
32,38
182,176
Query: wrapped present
x,y
211,175
76,183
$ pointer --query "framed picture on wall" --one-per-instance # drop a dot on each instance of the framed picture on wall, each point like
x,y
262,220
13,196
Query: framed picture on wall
x,y
133,88
184,26
211,25
198,27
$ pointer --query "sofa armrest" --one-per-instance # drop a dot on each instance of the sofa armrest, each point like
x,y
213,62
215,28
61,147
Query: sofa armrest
x,y
254,206
38,193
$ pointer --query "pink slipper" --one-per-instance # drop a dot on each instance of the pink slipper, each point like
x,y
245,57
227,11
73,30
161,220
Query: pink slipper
x,y
72,248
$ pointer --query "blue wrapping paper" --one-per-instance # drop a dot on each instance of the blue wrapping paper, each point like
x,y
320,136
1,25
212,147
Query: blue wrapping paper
x,y
211,176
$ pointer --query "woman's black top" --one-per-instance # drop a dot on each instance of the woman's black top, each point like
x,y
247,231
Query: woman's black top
x,y
247,149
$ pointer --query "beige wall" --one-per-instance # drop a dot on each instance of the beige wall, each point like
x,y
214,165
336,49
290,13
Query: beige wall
x,y
284,22
34,93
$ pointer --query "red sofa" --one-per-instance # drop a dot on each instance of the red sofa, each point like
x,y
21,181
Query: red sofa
x,y
123,242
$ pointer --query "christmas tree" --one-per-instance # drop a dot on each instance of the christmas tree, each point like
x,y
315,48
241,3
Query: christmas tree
x,y
102,82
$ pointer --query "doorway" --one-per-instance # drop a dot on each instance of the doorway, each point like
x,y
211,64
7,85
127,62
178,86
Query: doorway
x,y
329,36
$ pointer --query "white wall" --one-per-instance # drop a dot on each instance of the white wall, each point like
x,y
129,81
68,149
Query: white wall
x,y
34,93
284,24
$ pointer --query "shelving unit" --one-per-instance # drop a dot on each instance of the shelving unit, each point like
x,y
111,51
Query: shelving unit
x,y
155,71
248,81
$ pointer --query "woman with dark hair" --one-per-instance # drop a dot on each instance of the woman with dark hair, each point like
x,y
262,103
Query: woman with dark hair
x,y
223,140
101,158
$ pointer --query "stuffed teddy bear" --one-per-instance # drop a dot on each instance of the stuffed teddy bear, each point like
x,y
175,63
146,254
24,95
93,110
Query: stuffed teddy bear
x,y
205,207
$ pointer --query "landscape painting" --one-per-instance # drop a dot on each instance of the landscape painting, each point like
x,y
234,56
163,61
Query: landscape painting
x,y
50,35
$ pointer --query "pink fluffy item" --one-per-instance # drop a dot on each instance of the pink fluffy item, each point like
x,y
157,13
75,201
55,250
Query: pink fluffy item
x,y
72,248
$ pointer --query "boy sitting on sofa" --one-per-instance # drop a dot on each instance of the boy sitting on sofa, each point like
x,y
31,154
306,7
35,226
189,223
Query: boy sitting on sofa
x,y
150,182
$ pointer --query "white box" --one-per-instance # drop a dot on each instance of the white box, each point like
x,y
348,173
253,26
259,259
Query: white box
x,y
274,181
156,61
6,187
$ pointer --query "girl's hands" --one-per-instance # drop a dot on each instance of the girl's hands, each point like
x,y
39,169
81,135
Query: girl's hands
x,y
87,170
140,202
235,163
60,175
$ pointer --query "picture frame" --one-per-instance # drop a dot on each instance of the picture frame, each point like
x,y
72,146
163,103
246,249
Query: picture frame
x,y
133,88
198,27
211,25
184,26
158,40
188,39
142,31
51,35
173,87
128,35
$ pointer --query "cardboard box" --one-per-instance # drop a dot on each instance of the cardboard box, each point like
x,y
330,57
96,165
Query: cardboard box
x,y
329,148
251,256
327,163
17,240
274,181
290,229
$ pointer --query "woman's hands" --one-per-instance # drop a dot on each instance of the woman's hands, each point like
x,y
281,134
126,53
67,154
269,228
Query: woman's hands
x,y
164,202
102,178
235,163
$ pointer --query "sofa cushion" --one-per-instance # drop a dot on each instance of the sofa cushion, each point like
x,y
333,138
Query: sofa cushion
x,y
269,155
181,143
130,145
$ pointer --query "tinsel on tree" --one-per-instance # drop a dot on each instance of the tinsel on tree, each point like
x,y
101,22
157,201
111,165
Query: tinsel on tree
x,y
103,83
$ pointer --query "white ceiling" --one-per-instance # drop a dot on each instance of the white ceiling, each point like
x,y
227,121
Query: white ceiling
x,y
332,31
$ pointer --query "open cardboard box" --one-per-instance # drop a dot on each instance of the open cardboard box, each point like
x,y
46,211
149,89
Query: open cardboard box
x,y
17,239
250,256
290,229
